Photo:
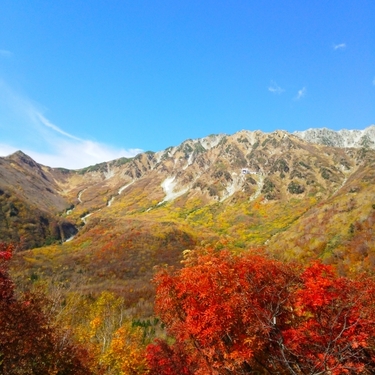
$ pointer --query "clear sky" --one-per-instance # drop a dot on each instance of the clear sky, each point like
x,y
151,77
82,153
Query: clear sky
x,y
88,81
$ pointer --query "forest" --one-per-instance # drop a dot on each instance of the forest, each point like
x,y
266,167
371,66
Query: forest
x,y
222,312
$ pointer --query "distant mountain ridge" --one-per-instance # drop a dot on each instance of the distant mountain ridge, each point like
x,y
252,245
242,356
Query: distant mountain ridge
x,y
117,220
341,138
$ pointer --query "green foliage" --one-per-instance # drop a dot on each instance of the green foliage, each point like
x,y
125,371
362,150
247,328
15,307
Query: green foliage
x,y
326,173
295,188
223,141
198,147
280,165
242,139
63,170
100,167
268,189
121,161
256,145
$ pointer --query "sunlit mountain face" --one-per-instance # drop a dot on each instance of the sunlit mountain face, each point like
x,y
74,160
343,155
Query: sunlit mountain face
x,y
106,226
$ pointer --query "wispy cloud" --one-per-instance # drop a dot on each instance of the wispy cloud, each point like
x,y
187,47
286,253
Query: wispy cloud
x,y
275,88
5,53
339,46
50,145
300,94
48,124
373,81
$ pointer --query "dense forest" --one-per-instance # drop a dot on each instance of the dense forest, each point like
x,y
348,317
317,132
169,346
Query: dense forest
x,y
221,313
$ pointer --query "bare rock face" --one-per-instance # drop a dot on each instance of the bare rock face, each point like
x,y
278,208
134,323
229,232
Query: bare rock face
x,y
342,138
237,182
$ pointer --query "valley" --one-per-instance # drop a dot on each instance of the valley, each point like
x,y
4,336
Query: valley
x,y
110,224
93,239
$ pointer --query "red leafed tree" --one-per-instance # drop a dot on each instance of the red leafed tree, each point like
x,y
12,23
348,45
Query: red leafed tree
x,y
333,327
170,359
28,345
222,309
239,315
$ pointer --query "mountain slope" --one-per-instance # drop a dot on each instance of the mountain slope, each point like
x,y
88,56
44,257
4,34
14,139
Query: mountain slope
x,y
341,138
301,200
30,200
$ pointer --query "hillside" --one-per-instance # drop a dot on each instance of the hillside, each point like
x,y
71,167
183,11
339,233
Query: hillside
x,y
30,203
300,200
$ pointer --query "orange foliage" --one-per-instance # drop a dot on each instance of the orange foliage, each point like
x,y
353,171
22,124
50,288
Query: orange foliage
x,y
236,315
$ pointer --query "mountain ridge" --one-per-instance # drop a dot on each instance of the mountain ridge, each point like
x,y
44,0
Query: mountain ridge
x,y
341,138
111,223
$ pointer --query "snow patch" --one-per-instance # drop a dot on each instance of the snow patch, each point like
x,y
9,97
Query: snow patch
x,y
109,203
85,217
80,195
69,239
122,188
168,186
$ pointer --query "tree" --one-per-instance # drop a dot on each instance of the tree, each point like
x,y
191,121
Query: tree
x,y
240,314
222,308
28,344
104,327
165,359
333,327
126,354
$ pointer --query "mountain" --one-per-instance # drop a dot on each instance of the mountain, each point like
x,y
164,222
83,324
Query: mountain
x,y
30,203
298,199
341,138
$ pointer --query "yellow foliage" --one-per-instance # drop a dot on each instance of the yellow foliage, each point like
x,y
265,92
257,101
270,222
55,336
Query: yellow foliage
x,y
103,327
126,355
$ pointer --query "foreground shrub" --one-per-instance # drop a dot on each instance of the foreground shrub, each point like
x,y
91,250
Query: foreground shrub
x,y
242,314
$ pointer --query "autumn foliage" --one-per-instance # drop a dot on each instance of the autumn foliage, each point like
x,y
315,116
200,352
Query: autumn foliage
x,y
224,314
249,314
29,344
102,325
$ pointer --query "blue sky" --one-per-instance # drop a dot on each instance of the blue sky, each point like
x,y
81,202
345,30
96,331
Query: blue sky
x,y
88,81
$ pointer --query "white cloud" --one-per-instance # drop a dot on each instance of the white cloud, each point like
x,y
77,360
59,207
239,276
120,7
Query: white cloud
x,y
6,150
75,155
373,82
55,147
5,53
339,46
275,88
301,93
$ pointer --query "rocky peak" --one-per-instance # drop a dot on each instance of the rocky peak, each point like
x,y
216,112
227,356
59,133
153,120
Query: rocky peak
x,y
342,138
22,158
